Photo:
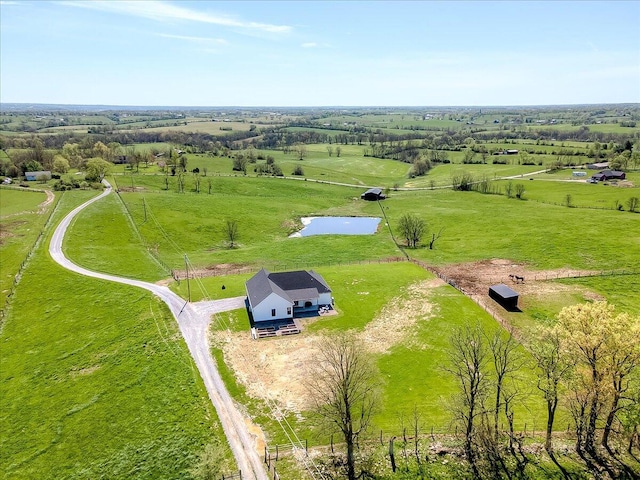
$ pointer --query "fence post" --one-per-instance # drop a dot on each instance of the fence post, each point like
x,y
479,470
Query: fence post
x,y
276,452
265,454
332,443
306,446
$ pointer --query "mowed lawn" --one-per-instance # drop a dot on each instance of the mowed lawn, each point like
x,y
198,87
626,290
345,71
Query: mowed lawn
x,y
96,381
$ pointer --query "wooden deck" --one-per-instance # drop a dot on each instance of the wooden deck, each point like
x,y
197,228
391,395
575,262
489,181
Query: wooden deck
x,y
278,330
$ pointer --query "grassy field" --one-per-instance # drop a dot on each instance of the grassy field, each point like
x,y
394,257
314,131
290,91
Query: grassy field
x,y
202,126
268,209
477,226
14,202
412,367
20,225
125,254
96,381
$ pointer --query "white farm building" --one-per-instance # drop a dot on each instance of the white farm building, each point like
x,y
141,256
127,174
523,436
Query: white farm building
x,y
284,295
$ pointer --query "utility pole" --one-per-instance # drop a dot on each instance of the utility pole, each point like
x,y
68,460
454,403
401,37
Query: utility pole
x,y
144,204
186,264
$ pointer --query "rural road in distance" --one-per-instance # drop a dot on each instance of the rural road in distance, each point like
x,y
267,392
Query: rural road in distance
x,y
193,322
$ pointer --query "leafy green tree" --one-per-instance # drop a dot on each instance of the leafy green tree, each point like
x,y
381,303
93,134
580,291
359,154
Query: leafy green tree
x,y
96,169
60,164
606,353
412,228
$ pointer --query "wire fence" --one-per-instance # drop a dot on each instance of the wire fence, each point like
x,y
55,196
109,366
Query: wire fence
x,y
409,441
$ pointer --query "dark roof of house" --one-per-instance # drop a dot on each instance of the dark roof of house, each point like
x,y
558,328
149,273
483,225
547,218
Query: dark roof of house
x,y
373,191
296,285
504,291
609,174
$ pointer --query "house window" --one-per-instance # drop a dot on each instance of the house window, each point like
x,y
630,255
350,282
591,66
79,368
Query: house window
x,y
288,310
273,312
296,303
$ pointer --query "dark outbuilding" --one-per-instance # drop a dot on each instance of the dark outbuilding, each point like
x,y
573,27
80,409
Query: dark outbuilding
x,y
373,194
504,296
605,175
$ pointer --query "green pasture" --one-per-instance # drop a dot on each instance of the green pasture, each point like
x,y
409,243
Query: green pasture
x,y
103,239
267,211
442,174
595,127
620,290
476,227
13,201
555,188
201,126
96,381
20,225
147,147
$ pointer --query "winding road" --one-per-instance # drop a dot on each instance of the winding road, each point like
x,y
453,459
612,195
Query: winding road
x,y
193,320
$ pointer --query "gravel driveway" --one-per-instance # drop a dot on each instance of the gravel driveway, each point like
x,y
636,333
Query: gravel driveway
x,y
193,321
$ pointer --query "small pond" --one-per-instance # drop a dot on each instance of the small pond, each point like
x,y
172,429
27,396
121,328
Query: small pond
x,y
338,226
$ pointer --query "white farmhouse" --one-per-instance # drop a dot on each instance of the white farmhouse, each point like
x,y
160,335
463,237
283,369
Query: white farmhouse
x,y
284,295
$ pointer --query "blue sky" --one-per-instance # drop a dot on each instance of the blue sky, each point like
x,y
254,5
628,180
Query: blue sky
x,y
305,53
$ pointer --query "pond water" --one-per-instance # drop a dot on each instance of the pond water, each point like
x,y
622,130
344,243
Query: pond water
x,y
337,226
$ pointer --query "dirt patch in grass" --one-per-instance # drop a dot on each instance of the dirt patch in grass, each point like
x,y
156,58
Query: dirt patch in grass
x,y
42,208
131,189
217,270
277,369
393,325
6,230
475,278
84,371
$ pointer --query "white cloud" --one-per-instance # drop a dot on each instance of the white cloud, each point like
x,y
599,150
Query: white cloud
x,y
165,11
203,40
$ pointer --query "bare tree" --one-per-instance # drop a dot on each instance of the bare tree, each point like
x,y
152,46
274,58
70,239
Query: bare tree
x,y
301,150
553,367
434,237
231,232
344,388
330,150
338,150
506,362
468,358
509,189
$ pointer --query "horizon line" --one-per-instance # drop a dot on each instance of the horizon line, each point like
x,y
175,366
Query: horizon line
x,y
109,105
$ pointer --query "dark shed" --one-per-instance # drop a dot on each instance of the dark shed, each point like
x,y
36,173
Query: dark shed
x,y
373,194
504,296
